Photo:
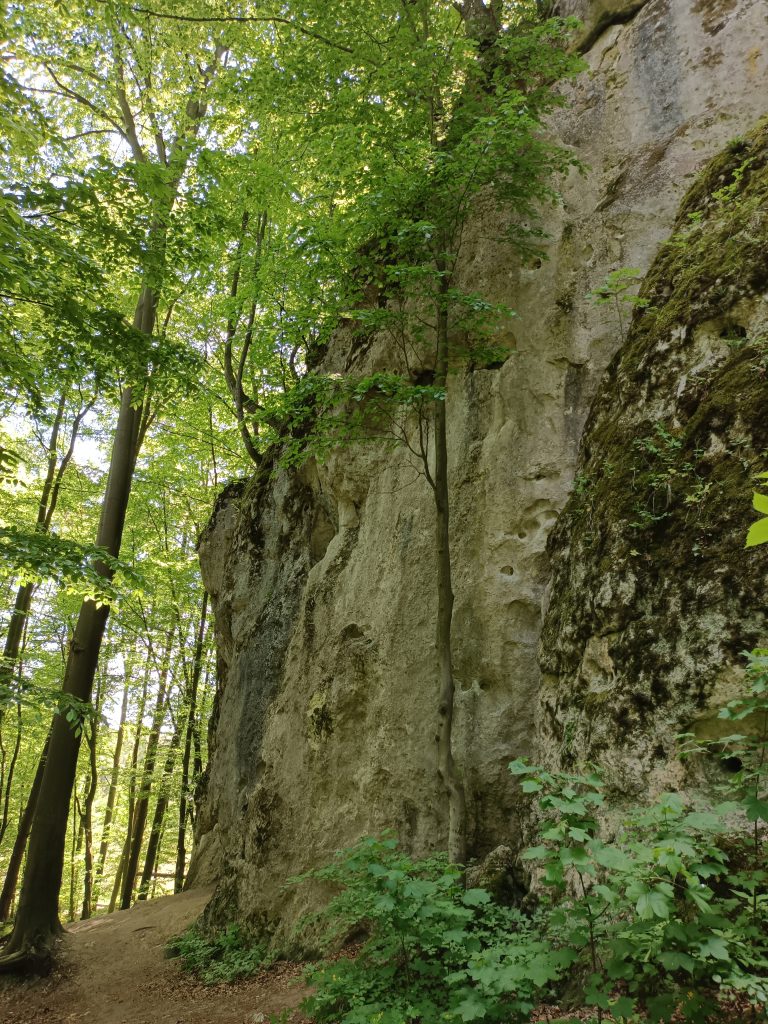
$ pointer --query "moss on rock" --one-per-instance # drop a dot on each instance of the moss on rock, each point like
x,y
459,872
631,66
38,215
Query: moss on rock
x,y
648,556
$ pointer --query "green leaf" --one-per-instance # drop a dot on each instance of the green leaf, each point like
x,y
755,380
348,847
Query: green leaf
x,y
476,897
653,904
536,853
472,1007
756,809
757,534
613,858
531,786
623,1007
715,947
675,960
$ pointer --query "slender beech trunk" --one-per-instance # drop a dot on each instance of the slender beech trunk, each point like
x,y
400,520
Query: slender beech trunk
x,y
197,668
90,796
11,770
112,795
122,865
20,843
158,819
446,766
124,855
142,800
37,920
24,593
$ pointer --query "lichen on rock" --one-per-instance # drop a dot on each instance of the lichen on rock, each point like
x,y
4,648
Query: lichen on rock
x,y
653,595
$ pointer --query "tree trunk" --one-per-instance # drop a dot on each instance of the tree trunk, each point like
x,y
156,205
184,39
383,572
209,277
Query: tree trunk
x,y
20,843
142,801
90,795
112,795
125,853
11,770
37,921
163,795
197,667
446,766
45,508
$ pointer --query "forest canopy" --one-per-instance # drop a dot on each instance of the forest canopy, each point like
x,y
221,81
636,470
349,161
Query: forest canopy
x,y
194,198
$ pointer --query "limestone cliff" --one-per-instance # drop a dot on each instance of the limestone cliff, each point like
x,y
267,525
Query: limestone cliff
x,y
653,594
322,579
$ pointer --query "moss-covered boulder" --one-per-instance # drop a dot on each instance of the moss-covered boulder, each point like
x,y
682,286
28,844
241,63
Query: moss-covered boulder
x,y
654,596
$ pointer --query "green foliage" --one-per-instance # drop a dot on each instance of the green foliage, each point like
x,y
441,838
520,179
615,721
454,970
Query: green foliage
x,y
34,556
661,920
222,957
661,452
758,531
435,951
671,912
616,290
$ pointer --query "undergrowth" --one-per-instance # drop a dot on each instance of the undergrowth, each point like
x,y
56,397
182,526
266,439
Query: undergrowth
x,y
220,957
664,920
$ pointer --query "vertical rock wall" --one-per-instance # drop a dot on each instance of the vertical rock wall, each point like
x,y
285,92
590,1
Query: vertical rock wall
x,y
653,596
322,580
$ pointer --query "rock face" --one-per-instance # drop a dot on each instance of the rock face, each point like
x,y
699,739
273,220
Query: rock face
x,y
653,595
323,579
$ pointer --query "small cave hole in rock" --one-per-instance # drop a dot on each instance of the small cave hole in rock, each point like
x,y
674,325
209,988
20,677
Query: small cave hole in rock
x,y
507,570
352,632
424,378
733,331
522,534
732,764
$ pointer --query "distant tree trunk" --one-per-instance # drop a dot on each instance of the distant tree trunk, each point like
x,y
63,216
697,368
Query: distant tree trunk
x,y
37,920
11,770
112,794
90,795
122,865
197,667
142,800
124,855
20,843
163,795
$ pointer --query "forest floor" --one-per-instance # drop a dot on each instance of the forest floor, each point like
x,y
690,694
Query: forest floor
x,y
113,970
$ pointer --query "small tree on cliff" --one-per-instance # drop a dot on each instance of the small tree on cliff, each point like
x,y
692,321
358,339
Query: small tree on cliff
x,y
484,103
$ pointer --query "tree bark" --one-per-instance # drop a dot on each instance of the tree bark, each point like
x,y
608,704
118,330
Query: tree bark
x,y
446,765
90,796
125,853
37,921
112,794
163,795
197,667
11,768
20,843
142,801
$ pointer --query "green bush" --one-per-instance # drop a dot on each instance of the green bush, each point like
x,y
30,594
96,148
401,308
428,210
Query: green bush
x,y
435,951
664,921
672,911
221,957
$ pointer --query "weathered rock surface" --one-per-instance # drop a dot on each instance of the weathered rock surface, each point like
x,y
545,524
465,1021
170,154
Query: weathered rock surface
x,y
322,579
653,595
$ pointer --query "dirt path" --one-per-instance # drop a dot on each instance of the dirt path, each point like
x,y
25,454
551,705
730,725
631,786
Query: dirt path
x,y
113,970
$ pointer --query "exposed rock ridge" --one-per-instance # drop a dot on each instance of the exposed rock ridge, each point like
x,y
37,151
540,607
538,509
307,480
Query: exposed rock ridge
x,y
322,580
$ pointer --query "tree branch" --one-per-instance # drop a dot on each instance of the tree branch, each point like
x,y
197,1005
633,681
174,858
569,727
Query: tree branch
x,y
269,19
